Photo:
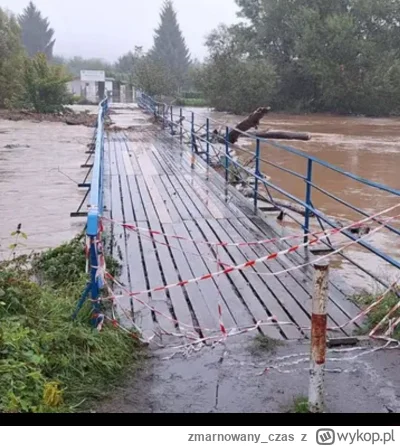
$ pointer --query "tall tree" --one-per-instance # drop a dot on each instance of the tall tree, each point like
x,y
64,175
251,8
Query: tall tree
x,y
37,36
341,56
170,48
11,59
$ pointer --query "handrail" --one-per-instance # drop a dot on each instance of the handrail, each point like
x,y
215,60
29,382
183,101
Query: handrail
x,y
93,227
96,186
223,153
312,158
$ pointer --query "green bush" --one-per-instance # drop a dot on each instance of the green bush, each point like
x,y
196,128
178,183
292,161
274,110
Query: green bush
x,y
45,85
182,102
48,363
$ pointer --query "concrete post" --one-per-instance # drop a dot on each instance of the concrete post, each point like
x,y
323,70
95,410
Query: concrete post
x,y
318,338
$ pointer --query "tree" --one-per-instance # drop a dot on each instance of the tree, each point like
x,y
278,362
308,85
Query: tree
x,y
340,56
11,59
169,49
125,63
77,63
37,36
232,80
151,76
45,85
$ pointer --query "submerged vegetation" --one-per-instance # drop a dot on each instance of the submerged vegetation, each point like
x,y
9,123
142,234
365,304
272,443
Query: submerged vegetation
x,y
378,312
49,363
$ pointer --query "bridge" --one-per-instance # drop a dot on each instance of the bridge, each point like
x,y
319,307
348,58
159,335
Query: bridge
x,y
199,260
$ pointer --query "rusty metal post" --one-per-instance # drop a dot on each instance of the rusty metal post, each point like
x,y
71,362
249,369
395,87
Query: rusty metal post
x,y
318,337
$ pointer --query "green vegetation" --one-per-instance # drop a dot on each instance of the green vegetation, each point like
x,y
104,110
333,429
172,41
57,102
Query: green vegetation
x,y
28,80
11,59
169,49
293,55
379,312
300,405
307,56
194,102
45,86
37,36
164,70
48,363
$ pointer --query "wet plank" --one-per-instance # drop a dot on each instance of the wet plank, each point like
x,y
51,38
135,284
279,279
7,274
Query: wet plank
x,y
137,204
131,153
159,299
206,309
172,211
221,290
264,293
194,298
175,199
241,301
340,309
124,301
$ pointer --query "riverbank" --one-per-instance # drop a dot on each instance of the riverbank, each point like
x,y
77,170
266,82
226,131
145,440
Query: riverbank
x,y
50,363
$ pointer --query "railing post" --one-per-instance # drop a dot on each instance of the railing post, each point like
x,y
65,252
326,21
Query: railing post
x,y
172,120
181,124
318,338
227,154
94,286
193,143
192,132
208,140
308,200
258,174
163,116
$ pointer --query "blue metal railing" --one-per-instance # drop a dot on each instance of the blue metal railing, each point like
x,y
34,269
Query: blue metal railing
x,y
96,185
151,105
95,211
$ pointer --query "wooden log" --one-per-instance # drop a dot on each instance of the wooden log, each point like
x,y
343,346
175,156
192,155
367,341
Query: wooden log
x,y
278,134
252,121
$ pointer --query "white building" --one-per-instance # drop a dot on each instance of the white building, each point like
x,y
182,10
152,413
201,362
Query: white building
x,y
86,87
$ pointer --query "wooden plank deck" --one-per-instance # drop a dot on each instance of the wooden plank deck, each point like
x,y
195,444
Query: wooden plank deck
x,y
149,182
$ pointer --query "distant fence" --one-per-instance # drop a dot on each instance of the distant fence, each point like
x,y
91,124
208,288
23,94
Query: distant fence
x,y
173,118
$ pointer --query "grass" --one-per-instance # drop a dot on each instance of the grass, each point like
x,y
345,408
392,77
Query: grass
x,y
300,405
193,102
262,344
48,363
379,312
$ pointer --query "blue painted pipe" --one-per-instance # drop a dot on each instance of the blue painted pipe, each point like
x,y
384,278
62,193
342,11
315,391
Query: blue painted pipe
x,y
208,140
257,174
227,154
308,200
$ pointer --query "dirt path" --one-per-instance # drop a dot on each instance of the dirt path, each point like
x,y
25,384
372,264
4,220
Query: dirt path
x,y
231,379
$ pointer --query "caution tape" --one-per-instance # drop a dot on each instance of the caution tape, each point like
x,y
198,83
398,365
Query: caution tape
x,y
245,265
332,231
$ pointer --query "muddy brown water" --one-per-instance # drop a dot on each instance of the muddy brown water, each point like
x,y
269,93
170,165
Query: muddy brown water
x,y
37,158
39,169
368,147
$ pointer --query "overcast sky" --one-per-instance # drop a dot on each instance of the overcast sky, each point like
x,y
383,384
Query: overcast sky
x,y
107,29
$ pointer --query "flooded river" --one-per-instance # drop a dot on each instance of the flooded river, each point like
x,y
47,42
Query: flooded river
x,y
366,147
39,172
36,160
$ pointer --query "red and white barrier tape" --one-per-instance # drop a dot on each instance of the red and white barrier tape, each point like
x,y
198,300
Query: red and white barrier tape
x,y
260,323
332,231
247,264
